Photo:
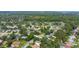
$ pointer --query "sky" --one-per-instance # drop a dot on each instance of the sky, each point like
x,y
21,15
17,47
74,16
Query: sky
x,y
39,5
